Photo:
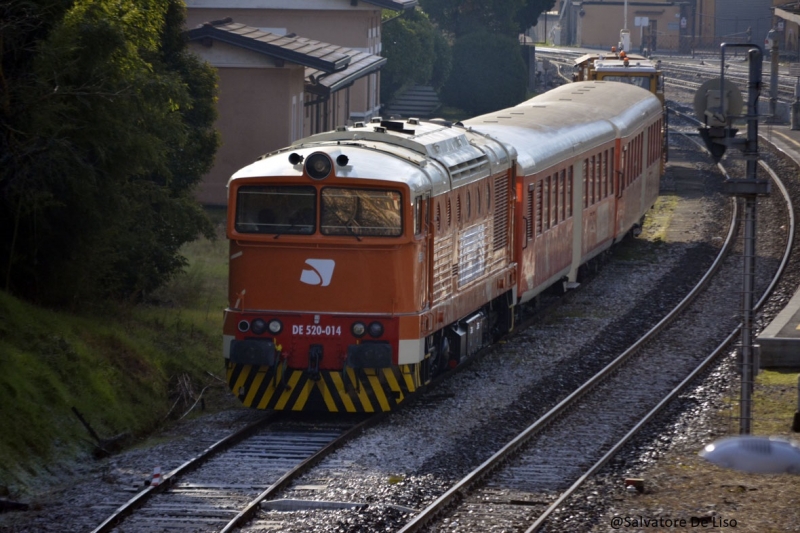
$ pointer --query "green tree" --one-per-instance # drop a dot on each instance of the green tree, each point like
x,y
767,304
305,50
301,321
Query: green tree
x,y
488,73
416,53
107,128
509,17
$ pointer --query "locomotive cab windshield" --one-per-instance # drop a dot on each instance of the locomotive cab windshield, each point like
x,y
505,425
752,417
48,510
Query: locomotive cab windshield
x,y
292,209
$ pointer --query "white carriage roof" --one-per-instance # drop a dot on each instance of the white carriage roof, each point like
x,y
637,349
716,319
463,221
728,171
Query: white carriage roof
x,y
567,120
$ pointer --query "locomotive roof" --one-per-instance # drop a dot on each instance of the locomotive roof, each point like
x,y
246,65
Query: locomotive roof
x,y
365,161
426,156
567,120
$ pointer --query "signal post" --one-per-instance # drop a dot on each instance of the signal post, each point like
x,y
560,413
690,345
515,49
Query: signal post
x,y
718,102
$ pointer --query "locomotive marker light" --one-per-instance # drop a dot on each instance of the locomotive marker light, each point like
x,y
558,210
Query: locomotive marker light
x,y
358,329
716,104
258,326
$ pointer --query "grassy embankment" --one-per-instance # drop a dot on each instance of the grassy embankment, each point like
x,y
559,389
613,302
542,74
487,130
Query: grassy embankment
x,y
126,369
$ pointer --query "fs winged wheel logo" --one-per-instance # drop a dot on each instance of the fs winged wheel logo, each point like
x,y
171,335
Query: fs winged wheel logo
x,y
320,274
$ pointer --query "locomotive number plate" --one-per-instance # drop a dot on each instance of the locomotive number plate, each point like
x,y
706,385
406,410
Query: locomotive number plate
x,y
316,330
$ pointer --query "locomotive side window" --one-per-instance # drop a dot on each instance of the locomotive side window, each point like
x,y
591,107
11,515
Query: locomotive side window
x,y
276,210
358,212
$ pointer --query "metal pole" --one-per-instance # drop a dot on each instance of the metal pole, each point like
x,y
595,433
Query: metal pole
x,y
748,189
748,283
747,320
796,106
773,79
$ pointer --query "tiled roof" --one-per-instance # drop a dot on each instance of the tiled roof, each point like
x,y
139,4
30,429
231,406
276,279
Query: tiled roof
x,y
315,54
397,5
361,64
328,67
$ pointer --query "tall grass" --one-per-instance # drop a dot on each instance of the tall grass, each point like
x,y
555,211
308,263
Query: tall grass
x,y
126,370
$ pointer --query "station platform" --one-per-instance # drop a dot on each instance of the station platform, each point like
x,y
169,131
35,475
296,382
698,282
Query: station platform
x,y
780,341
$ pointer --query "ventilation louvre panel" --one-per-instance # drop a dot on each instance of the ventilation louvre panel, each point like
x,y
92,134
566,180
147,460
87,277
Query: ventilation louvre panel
x,y
500,213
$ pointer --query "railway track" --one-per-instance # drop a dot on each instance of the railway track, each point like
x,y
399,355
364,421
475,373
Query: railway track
x,y
528,479
494,494
221,488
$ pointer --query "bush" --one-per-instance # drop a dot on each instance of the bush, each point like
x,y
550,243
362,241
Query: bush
x,y
416,53
488,73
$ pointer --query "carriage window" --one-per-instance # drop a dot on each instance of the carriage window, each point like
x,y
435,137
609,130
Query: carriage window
x,y
358,212
276,210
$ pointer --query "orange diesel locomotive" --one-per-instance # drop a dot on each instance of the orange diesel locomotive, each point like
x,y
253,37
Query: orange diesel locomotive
x,y
366,260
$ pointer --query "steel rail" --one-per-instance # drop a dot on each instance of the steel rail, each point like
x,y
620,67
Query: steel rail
x,y
301,468
691,377
427,515
192,464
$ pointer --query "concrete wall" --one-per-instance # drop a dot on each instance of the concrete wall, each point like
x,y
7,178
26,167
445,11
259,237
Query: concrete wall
x,y
260,109
599,24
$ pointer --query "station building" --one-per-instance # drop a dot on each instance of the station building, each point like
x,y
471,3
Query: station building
x,y
287,69
661,26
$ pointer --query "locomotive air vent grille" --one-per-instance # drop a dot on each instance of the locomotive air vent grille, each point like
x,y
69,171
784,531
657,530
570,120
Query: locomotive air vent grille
x,y
474,167
500,213
449,213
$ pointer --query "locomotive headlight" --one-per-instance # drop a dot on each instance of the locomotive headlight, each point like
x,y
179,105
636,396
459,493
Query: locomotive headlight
x,y
358,329
375,329
275,326
244,326
318,166
258,326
